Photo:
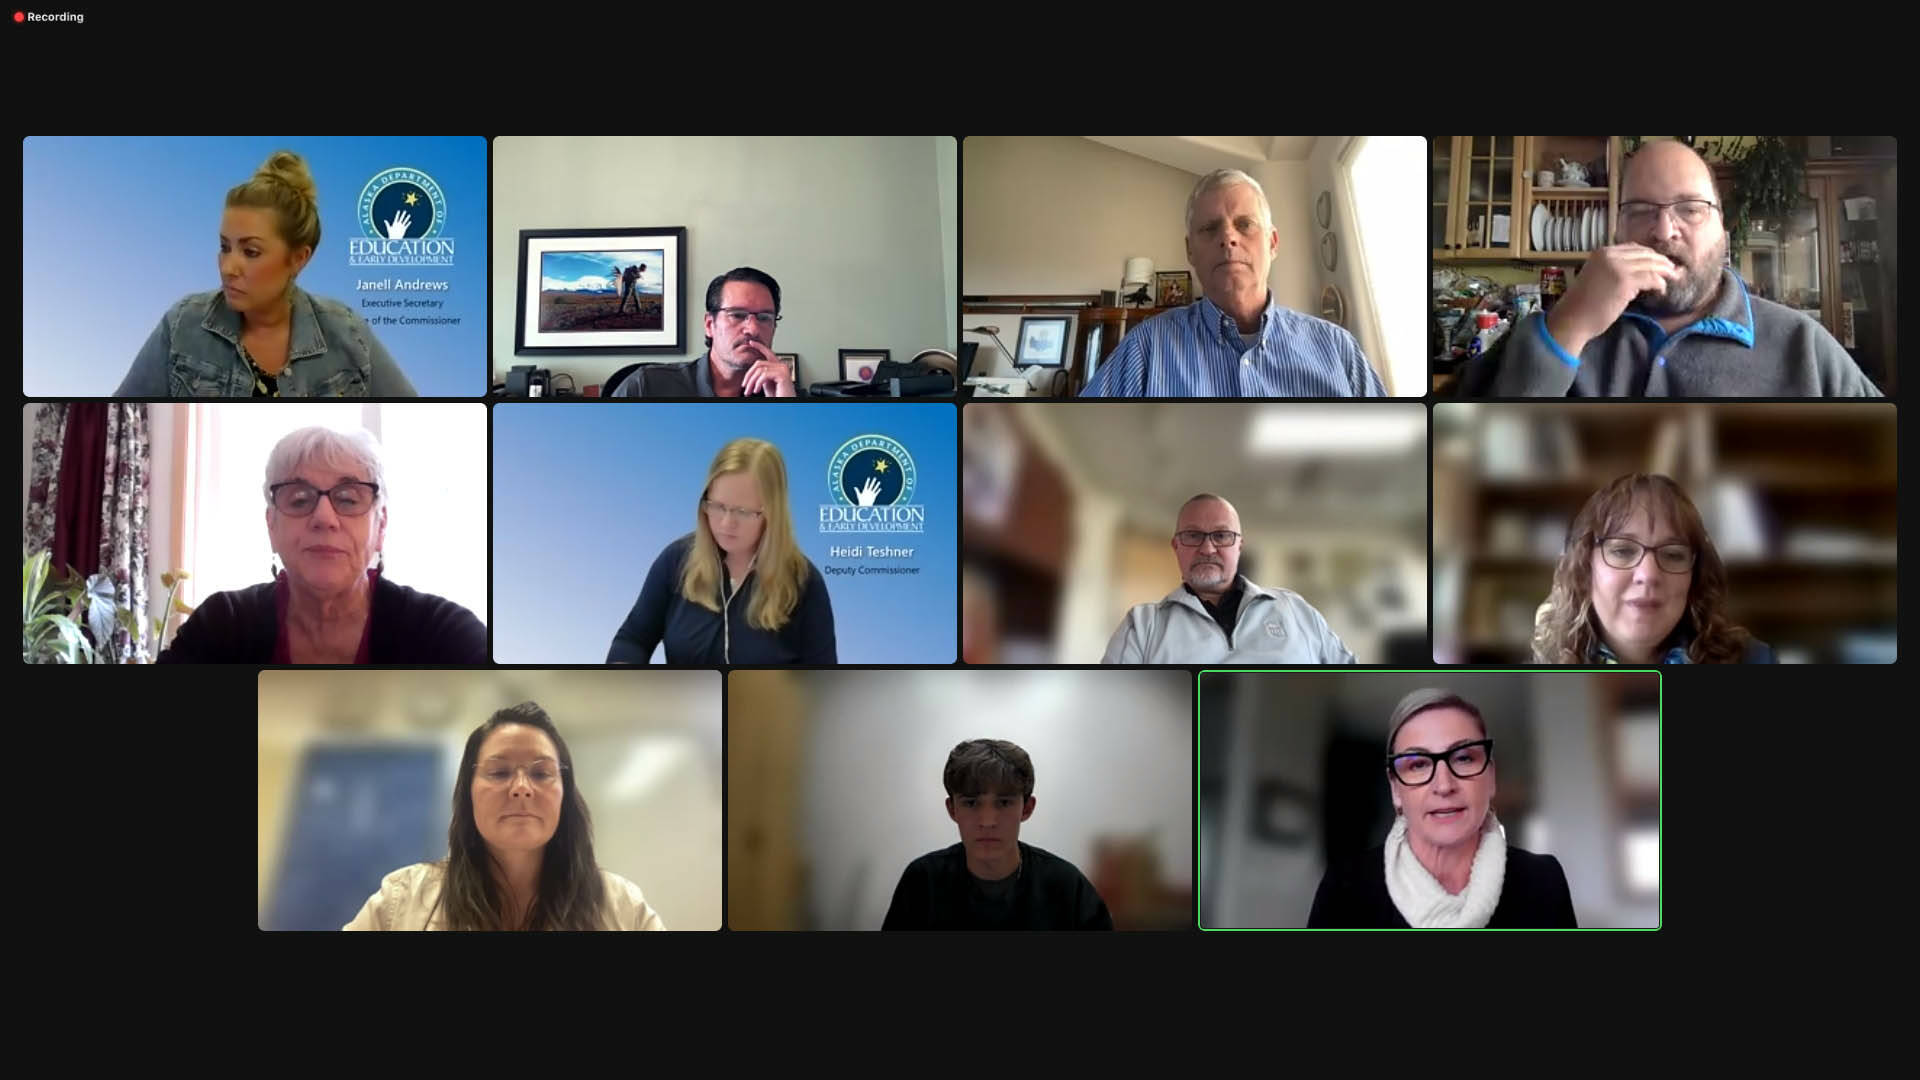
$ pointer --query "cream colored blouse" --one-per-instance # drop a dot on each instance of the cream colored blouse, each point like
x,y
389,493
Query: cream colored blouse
x,y
407,896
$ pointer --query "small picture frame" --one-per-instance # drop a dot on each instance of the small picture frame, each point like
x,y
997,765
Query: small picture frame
x,y
1043,341
792,360
1172,288
861,365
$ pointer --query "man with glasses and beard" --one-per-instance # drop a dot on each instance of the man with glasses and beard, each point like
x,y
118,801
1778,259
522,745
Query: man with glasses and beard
x,y
743,305
1216,615
1659,313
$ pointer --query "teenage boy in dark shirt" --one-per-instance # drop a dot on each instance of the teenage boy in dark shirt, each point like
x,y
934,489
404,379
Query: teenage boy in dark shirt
x,y
990,880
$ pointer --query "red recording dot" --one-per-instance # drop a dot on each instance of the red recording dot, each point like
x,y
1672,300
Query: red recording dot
x,y
19,16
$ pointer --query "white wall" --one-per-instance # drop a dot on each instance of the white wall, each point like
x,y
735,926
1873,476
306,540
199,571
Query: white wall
x,y
850,226
1112,753
1393,309
1263,884
1062,214
946,162
1575,804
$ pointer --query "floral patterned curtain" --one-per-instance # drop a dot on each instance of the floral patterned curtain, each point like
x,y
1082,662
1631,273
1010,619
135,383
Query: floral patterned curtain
x,y
124,506
43,485
124,515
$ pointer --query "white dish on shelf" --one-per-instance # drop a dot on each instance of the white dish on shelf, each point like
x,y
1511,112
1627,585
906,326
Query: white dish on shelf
x,y
1560,234
1593,228
1553,232
1586,230
1537,229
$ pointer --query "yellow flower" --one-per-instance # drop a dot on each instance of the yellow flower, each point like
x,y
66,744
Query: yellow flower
x,y
180,606
167,579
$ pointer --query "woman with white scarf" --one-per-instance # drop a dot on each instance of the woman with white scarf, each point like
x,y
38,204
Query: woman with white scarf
x,y
1446,862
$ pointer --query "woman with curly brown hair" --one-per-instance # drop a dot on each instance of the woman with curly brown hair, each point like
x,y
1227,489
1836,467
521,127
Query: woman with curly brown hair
x,y
1639,582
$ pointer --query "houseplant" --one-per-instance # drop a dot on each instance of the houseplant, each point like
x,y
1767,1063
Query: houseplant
x,y
55,609
1767,177
49,607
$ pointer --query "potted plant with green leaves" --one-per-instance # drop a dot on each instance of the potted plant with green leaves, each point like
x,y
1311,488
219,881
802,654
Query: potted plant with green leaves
x,y
1767,177
71,621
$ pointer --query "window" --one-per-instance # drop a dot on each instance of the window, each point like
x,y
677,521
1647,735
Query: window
x,y
435,460
1389,256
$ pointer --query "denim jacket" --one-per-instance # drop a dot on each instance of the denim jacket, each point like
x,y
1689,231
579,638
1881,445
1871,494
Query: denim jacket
x,y
195,352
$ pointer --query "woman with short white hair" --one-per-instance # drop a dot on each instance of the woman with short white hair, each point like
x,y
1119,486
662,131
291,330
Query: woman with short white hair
x,y
326,515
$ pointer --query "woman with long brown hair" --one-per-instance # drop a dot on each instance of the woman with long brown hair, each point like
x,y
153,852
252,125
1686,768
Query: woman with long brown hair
x,y
738,589
1639,582
519,849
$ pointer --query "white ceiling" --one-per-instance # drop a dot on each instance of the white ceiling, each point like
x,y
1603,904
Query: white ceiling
x,y
1200,154
1152,457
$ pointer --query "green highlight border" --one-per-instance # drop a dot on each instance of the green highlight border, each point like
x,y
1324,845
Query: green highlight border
x,y
1660,685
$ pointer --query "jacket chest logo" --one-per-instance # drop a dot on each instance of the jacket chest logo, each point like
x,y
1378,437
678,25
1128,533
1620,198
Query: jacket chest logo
x,y
1275,629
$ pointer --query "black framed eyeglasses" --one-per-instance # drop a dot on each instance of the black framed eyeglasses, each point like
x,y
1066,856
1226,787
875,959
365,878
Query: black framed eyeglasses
x,y
1416,768
1624,554
1222,538
297,498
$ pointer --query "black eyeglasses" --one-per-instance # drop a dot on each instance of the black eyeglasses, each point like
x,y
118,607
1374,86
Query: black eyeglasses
x,y
1416,768
297,498
1194,537
1624,554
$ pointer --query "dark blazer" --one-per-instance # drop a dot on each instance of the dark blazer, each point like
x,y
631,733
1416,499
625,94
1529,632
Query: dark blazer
x,y
1534,894
409,627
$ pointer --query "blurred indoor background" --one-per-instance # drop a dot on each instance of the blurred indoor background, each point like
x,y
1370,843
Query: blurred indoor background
x,y
1293,775
356,779
834,785
1068,518
1799,500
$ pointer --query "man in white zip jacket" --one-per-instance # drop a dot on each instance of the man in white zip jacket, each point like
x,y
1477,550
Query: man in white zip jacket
x,y
1216,616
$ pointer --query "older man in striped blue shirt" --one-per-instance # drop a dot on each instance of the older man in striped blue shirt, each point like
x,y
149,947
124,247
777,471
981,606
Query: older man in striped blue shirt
x,y
1234,341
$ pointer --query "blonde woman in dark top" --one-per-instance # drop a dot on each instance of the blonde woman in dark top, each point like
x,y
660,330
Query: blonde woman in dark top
x,y
738,589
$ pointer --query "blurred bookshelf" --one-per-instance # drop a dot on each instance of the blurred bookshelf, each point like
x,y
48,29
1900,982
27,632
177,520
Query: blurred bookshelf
x,y
1799,500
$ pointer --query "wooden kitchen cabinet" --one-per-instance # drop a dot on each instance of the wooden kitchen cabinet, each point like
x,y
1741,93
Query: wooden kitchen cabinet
x,y
1837,268
1474,179
1471,180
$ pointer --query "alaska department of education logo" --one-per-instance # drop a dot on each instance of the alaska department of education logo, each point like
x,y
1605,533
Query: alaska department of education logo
x,y
872,479
403,213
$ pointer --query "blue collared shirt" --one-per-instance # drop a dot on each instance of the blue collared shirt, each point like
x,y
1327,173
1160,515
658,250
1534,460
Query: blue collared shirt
x,y
1196,351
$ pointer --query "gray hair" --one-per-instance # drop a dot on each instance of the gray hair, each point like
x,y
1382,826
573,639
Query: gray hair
x,y
316,444
1426,698
1220,178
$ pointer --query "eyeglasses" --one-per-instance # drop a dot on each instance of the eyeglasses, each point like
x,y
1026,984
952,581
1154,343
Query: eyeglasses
x,y
738,513
1416,768
1624,554
297,498
1194,537
739,316
1689,212
543,774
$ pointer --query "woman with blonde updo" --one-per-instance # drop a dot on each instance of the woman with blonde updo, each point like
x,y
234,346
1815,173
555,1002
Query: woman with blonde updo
x,y
259,334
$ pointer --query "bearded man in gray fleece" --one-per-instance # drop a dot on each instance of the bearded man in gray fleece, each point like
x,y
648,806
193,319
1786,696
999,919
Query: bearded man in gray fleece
x,y
1661,314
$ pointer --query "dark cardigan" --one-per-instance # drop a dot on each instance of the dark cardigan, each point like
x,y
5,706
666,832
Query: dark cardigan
x,y
1534,894
407,627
